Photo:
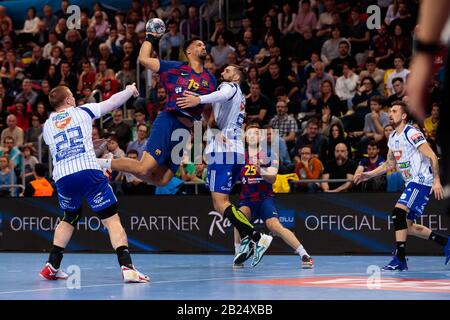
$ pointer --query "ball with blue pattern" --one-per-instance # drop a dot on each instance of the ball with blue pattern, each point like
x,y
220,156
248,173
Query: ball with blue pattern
x,y
156,26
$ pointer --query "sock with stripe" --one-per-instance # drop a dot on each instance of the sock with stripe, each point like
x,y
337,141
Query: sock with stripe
x,y
301,251
441,240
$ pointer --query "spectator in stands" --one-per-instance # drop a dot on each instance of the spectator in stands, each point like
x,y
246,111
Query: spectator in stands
x,y
32,133
120,129
5,18
337,135
52,77
41,38
7,177
191,29
392,12
401,42
105,54
113,147
404,19
305,17
256,105
382,144
68,78
38,67
211,11
313,87
361,105
48,17
171,42
373,71
359,36
286,20
398,85
341,167
52,42
346,86
40,186
56,57
376,120
326,23
327,120
431,123
269,28
373,161
11,71
174,4
308,167
90,45
109,85
331,47
41,112
273,139
330,99
312,137
73,41
27,92
22,110
306,45
13,153
284,123
30,27
252,49
221,29
13,131
140,143
126,75
336,65
29,161
87,77
61,29
274,79
380,47
220,51
100,25
399,72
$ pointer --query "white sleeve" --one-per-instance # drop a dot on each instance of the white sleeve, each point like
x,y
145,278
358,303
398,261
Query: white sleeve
x,y
223,93
415,137
100,109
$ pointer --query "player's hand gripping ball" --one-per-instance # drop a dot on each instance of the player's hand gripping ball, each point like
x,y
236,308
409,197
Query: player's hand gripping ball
x,y
156,27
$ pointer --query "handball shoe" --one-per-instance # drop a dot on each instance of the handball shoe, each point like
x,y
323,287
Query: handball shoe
x,y
396,265
260,249
50,273
133,275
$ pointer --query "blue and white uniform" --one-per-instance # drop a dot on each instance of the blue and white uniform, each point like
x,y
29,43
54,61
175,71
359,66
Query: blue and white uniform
x,y
414,167
68,133
225,148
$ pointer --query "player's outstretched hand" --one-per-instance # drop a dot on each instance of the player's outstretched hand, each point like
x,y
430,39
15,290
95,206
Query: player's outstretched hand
x,y
188,100
437,190
133,88
360,177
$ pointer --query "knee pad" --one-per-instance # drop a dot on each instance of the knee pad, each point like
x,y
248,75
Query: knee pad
x,y
399,219
108,212
72,217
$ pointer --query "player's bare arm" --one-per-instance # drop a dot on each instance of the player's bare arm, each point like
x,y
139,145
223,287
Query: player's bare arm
x,y
388,165
145,57
437,189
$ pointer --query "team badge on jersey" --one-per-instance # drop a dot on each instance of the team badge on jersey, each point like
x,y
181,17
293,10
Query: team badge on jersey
x,y
158,152
205,83
61,120
398,155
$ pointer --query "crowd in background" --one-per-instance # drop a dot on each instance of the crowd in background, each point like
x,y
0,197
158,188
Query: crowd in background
x,y
314,72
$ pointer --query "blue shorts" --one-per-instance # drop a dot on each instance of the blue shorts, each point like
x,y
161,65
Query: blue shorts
x,y
222,175
91,185
160,144
415,197
263,210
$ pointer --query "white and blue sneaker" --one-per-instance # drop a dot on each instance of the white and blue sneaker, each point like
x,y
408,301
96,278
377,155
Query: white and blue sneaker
x,y
260,249
447,252
396,265
245,251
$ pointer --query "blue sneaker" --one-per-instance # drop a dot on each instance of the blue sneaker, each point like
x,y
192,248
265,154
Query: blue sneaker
x,y
396,265
447,252
245,251
261,247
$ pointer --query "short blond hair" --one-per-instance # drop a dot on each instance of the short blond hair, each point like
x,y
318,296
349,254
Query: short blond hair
x,y
57,96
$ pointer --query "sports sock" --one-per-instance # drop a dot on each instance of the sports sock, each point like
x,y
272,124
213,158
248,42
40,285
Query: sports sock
x,y
124,257
241,223
301,251
237,248
55,256
400,253
439,239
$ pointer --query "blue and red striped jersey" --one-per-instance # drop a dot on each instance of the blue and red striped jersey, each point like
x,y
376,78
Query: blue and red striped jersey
x,y
177,77
254,187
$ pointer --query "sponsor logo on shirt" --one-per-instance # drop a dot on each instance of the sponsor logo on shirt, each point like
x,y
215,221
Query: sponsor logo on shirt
x,y
61,120
404,165
158,152
417,138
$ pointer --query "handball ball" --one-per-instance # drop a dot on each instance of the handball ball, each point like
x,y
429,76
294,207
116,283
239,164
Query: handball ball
x,y
155,25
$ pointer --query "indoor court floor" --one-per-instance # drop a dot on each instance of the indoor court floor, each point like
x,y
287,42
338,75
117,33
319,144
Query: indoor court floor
x,y
211,277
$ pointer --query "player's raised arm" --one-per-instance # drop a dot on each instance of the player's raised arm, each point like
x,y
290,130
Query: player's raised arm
x,y
145,55
116,101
